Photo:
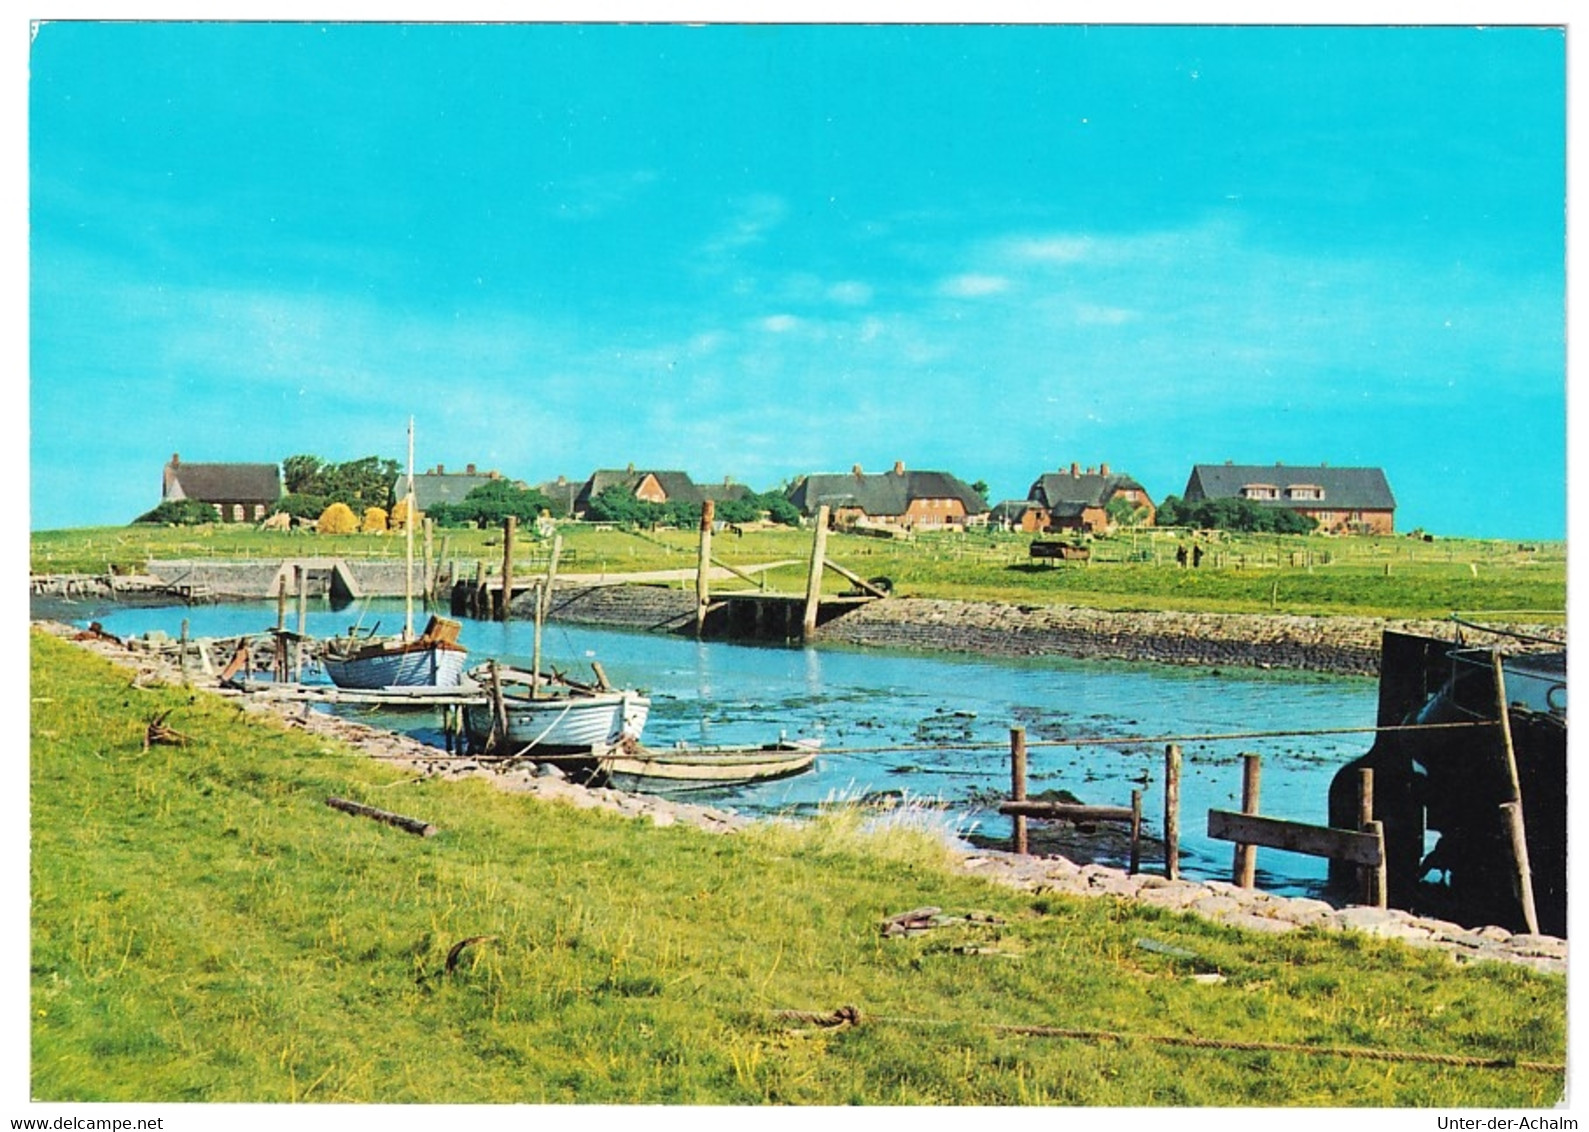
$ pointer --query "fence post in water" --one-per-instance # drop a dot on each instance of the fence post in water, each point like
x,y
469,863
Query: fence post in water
x,y
1245,869
303,621
703,594
509,525
1172,812
1018,785
1512,808
1136,833
819,550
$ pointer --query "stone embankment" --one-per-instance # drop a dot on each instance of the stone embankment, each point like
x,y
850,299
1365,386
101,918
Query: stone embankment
x,y
1223,903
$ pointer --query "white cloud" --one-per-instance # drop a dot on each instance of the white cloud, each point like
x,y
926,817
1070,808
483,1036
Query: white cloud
x,y
780,323
973,285
1054,249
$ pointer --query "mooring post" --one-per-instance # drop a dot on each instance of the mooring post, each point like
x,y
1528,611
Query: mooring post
x,y
1172,811
303,620
509,525
819,549
477,599
703,594
1018,785
1512,808
1244,869
1367,874
1136,833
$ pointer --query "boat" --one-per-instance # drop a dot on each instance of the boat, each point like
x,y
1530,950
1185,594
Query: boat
x,y
684,768
434,659
552,719
1457,792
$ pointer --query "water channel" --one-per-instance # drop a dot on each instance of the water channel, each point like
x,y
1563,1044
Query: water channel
x,y
933,728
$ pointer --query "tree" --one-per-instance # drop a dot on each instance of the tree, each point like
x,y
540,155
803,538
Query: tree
x,y
491,503
358,483
302,474
981,488
615,504
1123,512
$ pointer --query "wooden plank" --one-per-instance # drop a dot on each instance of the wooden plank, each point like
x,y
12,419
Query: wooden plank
x,y
1295,837
1069,811
853,577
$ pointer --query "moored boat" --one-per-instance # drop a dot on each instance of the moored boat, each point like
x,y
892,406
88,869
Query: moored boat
x,y
434,659
685,768
553,719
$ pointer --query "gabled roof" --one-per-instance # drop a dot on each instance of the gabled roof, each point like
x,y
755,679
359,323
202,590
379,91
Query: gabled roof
x,y
431,488
723,492
677,486
883,493
1355,489
222,483
1073,492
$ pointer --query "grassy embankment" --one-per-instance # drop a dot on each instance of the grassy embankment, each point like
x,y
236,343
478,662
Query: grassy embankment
x,y
1379,577
204,928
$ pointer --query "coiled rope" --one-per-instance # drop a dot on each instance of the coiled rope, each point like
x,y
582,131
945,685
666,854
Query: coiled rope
x,y
850,1016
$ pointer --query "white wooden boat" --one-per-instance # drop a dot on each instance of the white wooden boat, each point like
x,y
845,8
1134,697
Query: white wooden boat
x,y
540,718
684,768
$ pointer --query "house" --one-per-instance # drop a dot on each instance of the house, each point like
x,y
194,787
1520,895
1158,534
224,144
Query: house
x,y
1341,500
647,486
240,493
438,485
1079,500
724,492
901,499
1019,515
562,492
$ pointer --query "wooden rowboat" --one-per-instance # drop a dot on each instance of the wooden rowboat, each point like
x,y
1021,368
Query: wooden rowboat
x,y
686,768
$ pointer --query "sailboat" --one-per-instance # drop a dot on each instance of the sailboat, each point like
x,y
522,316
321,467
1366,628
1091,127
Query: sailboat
x,y
434,659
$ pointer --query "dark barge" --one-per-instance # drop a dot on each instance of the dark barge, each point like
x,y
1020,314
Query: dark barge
x,y
1462,784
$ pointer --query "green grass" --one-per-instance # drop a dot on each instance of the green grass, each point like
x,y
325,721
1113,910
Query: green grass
x,y
204,928
1377,577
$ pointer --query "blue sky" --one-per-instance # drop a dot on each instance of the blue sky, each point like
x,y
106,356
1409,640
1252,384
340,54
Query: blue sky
x,y
759,251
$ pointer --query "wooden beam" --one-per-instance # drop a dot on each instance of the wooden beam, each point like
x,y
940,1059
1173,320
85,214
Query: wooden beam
x,y
1295,837
853,577
703,590
1067,811
410,825
819,545
1018,786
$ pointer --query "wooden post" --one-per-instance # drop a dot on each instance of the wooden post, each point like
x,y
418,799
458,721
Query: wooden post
x,y
1245,867
1378,891
281,602
499,713
443,564
1370,878
303,620
478,601
1018,785
1512,808
182,653
1136,833
819,547
1172,811
509,525
703,595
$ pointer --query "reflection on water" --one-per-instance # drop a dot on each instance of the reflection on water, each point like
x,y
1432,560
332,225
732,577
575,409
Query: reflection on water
x,y
935,727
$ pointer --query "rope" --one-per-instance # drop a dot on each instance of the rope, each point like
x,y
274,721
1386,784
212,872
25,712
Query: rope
x,y
846,1017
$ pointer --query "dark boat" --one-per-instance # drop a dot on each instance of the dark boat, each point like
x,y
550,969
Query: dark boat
x,y
1440,792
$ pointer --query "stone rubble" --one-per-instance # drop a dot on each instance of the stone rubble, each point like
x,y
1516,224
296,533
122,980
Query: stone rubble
x,y
1220,902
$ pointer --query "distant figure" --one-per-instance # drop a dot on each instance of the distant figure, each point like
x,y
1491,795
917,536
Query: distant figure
x,y
1180,556
1197,556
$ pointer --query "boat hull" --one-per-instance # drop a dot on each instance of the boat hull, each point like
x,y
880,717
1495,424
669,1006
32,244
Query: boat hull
x,y
432,667
705,768
563,724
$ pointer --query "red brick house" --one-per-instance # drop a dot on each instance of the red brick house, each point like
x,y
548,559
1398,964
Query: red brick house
x,y
240,493
902,499
1341,500
1079,500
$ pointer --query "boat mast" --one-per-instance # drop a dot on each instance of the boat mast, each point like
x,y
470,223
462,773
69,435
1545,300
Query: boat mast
x,y
408,531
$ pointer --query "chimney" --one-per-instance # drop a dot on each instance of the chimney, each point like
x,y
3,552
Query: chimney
x,y
469,469
562,481
1075,468
175,460
728,481
899,467
855,470
1103,469
440,470
631,467
1091,470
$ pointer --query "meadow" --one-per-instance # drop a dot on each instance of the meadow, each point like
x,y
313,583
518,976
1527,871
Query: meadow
x,y
1386,576
206,929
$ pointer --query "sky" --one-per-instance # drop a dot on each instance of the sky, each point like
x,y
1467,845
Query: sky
x,y
756,251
